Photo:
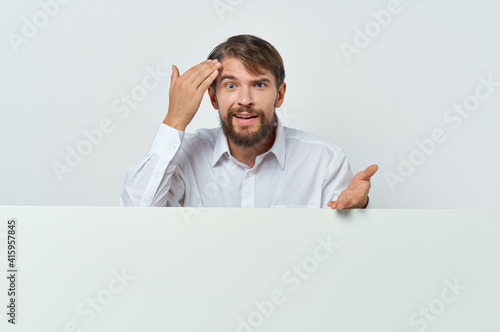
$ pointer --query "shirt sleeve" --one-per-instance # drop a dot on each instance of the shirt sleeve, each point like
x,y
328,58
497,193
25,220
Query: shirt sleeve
x,y
157,179
339,175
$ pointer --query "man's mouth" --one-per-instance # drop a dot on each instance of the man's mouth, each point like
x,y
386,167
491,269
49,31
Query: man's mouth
x,y
245,118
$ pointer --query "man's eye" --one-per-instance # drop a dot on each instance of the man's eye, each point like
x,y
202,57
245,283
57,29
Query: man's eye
x,y
260,85
230,86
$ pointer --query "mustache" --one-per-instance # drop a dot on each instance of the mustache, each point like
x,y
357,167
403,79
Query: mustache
x,y
246,109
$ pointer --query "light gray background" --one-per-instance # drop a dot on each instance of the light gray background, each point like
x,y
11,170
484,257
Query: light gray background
x,y
65,78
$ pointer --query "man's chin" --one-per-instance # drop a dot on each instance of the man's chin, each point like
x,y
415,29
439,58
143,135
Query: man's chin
x,y
244,135
245,129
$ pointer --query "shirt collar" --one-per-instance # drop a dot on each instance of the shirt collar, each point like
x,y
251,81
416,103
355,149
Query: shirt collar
x,y
278,149
221,147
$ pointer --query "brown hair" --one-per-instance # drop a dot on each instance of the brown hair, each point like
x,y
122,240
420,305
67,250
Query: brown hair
x,y
255,53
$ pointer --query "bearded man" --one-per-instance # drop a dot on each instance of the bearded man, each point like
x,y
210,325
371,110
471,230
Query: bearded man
x,y
251,160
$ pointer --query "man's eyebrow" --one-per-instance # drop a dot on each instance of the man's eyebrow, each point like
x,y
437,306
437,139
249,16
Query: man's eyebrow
x,y
261,80
233,78
227,77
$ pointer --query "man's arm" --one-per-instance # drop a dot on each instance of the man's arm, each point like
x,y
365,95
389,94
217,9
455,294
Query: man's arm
x,y
156,180
355,196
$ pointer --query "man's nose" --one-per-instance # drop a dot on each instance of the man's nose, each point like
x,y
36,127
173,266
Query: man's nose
x,y
245,97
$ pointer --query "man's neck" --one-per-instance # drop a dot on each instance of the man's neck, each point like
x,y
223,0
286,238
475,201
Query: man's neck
x,y
247,155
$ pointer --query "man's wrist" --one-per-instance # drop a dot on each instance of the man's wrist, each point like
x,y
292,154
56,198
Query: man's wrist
x,y
367,201
175,124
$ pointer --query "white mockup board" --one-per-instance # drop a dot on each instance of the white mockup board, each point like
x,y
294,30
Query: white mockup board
x,y
185,269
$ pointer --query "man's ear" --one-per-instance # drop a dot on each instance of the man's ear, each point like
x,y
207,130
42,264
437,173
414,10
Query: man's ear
x,y
213,97
281,95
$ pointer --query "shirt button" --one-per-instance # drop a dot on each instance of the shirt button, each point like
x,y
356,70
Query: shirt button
x,y
249,174
157,175
173,146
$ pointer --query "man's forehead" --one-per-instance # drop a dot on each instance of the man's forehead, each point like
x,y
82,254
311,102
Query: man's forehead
x,y
235,68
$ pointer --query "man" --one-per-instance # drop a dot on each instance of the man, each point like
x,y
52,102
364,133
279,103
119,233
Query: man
x,y
252,160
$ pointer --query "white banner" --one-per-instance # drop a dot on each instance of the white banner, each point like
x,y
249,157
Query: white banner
x,y
176,269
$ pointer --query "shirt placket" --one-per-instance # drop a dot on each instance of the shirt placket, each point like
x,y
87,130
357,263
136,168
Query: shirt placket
x,y
248,190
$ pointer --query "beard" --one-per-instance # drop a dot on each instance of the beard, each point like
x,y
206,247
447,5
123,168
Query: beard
x,y
244,138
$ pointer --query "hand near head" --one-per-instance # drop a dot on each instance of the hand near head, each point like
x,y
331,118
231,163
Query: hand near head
x,y
186,92
355,196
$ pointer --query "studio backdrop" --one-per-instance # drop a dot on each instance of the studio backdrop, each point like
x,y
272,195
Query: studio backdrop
x,y
411,85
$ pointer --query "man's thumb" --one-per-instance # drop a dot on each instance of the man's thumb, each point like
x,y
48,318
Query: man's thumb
x,y
370,171
175,73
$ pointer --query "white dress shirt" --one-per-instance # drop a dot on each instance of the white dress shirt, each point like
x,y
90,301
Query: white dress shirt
x,y
197,170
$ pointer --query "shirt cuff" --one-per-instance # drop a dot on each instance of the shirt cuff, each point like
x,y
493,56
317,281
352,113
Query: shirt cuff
x,y
167,139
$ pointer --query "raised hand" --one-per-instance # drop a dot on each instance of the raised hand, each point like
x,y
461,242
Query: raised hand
x,y
186,92
355,196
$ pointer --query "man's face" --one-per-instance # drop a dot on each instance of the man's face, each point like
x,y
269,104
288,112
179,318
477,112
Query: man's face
x,y
246,102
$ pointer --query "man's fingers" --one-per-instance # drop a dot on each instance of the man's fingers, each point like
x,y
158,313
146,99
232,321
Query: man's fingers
x,y
198,78
197,74
207,73
206,83
192,73
368,172
335,205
